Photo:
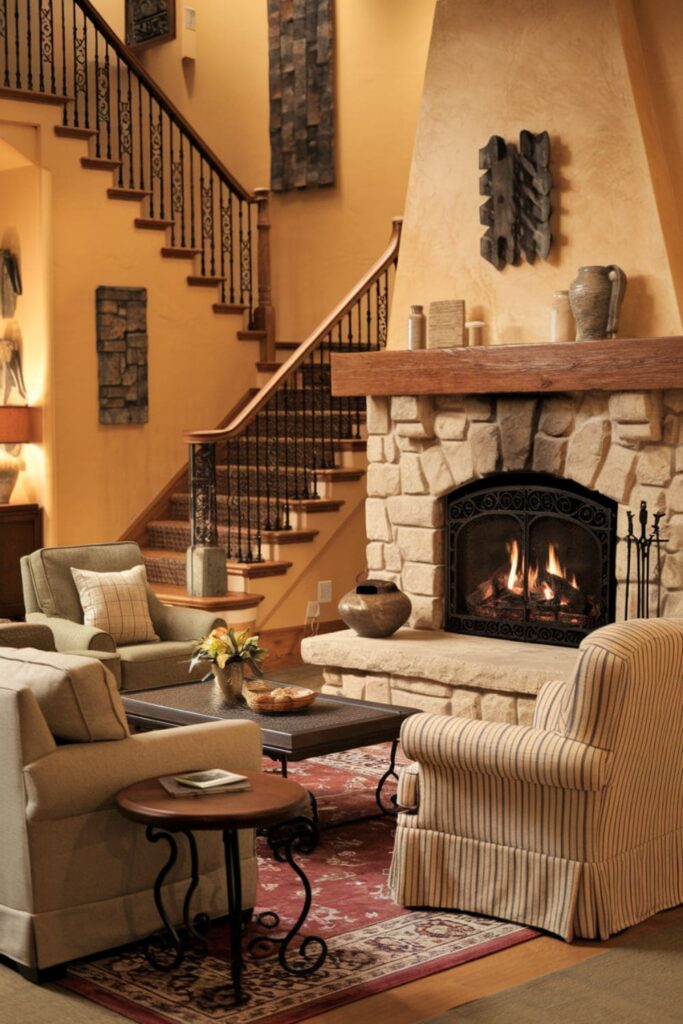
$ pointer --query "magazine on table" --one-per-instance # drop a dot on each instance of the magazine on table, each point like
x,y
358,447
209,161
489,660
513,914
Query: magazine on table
x,y
213,780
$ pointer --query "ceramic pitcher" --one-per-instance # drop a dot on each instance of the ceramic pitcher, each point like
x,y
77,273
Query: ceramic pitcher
x,y
595,298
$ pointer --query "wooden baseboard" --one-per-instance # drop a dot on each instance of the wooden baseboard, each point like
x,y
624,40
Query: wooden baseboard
x,y
284,645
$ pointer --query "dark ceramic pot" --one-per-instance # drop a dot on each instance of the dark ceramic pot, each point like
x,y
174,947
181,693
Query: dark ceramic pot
x,y
376,608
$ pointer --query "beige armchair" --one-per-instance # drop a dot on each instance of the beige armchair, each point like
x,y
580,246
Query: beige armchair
x,y
77,877
574,825
51,598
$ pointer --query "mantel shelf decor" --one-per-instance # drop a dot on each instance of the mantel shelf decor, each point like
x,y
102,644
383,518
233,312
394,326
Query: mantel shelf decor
x,y
615,364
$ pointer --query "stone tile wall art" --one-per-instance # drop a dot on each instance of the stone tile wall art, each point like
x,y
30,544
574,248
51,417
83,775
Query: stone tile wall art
x,y
300,40
517,212
122,354
149,21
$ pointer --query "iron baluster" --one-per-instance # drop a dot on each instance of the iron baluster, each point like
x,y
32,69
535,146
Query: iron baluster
x,y
84,78
383,316
192,230
131,141
157,155
316,395
240,503
252,513
17,52
257,473
280,396
181,189
162,205
173,183
241,249
47,47
98,92
203,508
368,321
201,194
107,74
4,32
226,245
268,525
229,484
250,211
150,118
63,11
29,48
212,241
231,247
119,176
141,148
300,423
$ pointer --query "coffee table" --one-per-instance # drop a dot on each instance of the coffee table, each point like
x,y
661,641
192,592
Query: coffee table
x,y
274,805
329,725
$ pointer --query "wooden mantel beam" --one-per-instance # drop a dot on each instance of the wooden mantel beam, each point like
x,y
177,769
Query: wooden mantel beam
x,y
617,364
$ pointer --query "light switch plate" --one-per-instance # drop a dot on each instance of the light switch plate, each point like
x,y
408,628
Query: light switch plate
x,y
324,591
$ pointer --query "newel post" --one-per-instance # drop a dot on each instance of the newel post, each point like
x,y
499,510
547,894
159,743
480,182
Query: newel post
x,y
264,313
206,571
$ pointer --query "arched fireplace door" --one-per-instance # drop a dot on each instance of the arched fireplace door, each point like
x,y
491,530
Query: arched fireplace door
x,y
529,557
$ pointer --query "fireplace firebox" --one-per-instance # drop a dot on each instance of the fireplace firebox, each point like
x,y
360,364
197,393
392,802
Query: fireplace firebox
x,y
529,557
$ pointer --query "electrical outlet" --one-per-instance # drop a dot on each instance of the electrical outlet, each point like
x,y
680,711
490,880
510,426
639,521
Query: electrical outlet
x,y
312,610
324,591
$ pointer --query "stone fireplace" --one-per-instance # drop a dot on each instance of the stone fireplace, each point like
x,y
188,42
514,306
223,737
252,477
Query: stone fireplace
x,y
612,450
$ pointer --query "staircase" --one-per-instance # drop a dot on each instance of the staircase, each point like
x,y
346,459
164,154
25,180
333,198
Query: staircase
x,y
282,476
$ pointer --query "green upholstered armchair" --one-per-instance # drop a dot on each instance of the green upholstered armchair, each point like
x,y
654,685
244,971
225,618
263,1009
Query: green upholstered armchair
x,y
51,599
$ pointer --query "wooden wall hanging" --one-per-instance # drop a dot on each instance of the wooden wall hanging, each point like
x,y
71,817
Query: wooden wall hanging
x,y
517,212
149,22
300,36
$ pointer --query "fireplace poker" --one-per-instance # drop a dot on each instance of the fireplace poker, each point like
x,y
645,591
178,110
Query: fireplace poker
x,y
629,541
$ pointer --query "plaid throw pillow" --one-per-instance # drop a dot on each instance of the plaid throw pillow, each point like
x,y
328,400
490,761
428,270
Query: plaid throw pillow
x,y
117,603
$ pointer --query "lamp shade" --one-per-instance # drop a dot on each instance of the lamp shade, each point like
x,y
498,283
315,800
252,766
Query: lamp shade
x,y
16,424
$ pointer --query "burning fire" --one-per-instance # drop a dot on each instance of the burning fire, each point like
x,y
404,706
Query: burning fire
x,y
553,567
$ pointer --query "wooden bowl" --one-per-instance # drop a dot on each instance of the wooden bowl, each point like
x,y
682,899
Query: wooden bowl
x,y
269,700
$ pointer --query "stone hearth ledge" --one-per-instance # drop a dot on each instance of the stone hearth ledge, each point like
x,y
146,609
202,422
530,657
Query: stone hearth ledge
x,y
476,677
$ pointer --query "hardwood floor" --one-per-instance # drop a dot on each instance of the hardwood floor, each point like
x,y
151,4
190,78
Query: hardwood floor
x,y
23,1003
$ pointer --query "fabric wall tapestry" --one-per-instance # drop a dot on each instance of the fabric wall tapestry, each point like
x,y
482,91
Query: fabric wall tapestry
x,y
301,34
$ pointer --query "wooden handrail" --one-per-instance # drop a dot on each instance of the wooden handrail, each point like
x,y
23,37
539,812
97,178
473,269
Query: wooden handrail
x,y
131,60
289,368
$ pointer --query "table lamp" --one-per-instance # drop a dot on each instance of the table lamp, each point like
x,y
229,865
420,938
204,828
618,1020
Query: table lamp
x,y
16,428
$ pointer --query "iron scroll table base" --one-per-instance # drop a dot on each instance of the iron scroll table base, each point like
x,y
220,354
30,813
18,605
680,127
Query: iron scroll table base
x,y
166,949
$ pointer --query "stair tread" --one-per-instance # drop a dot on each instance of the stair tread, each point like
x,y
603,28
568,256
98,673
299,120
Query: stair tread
x,y
288,346
251,570
6,92
204,280
251,335
99,163
295,504
67,131
292,536
152,223
177,252
268,367
229,307
135,194
178,596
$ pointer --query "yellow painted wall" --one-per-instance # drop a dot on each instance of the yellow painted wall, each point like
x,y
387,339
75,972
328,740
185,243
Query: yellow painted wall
x,y
604,79
105,475
322,239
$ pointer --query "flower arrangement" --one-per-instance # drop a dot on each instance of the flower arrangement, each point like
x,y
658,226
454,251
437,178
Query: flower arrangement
x,y
223,647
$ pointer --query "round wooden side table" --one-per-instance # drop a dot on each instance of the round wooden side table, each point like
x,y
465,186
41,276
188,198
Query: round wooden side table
x,y
276,807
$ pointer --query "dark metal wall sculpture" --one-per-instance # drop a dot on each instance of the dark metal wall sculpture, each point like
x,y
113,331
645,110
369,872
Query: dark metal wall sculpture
x,y
149,21
122,354
301,34
517,212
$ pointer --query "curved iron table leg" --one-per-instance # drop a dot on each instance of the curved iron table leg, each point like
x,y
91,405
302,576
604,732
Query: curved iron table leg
x,y
198,925
389,773
170,935
233,879
299,835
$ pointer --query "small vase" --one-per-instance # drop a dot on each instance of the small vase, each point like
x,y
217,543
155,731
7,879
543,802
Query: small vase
x,y
595,297
417,328
230,680
376,608
562,327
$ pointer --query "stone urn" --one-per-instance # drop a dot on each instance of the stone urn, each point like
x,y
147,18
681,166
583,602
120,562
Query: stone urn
x,y
376,608
595,297
230,680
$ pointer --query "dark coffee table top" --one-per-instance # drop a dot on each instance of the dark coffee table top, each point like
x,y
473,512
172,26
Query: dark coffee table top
x,y
329,725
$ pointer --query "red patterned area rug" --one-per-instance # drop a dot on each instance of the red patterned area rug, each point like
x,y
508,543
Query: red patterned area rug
x,y
373,944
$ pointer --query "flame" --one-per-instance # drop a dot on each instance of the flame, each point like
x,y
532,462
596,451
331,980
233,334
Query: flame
x,y
548,592
513,551
553,564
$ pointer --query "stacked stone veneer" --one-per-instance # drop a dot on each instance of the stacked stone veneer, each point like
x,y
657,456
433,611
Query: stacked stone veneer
x,y
122,354
626,445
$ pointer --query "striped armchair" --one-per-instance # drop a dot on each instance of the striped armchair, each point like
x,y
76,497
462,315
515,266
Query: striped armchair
x,y
575,824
